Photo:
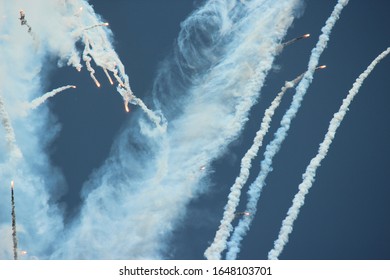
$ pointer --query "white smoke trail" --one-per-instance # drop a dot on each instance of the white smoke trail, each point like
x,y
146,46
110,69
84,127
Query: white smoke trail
x,y
87,59
205,91
214,251
274,146
310,173
39,100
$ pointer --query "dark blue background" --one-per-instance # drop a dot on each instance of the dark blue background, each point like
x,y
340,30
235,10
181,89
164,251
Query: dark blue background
x,y
344,216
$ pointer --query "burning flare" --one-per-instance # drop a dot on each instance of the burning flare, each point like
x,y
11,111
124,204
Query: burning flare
x,y
321,67
127,106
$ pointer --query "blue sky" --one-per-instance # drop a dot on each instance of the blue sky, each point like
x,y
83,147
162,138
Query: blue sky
x,y
344,216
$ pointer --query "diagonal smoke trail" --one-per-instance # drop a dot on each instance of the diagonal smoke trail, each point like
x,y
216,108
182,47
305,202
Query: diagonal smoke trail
x,y
39,100
274,146
14,239
214,251
311,169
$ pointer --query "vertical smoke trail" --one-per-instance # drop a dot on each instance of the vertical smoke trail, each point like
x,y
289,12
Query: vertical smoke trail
x,y
39,100
274,146
14,239
311,169
87,59
219,244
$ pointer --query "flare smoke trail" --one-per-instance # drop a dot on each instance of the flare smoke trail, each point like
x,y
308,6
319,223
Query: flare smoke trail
x,y
87,59
214,251
96,25
14,239
206,102
273,147
292,41
310,173
39,100
97,46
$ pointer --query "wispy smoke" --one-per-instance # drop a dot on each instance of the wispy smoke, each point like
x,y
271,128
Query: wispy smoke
x,y
223,54
274,146
23,61
310,173
162,158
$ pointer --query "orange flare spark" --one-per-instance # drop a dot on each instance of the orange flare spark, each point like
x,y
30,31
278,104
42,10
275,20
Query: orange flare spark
x,y
321,67
12,184
306,35
127,107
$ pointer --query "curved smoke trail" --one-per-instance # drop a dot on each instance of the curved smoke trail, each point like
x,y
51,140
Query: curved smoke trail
x,y
214,251
310,173
274,146
39,100
138,195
